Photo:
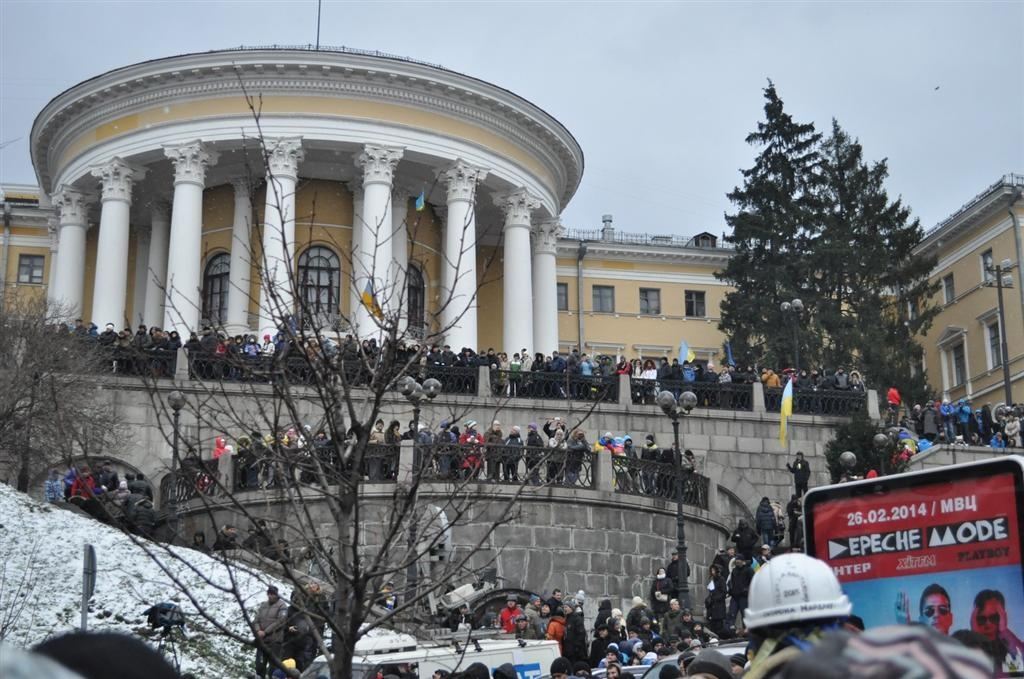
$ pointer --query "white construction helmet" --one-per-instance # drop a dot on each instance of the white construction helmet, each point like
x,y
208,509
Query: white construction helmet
x,y
794,588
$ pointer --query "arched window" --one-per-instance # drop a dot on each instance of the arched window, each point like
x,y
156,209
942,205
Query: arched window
x,y
416,296
215,288
319,284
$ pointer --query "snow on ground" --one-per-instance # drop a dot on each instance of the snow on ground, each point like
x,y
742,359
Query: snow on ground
x,y
42,546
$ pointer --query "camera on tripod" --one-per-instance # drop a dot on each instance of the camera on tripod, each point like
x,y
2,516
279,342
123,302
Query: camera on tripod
x,y
165,617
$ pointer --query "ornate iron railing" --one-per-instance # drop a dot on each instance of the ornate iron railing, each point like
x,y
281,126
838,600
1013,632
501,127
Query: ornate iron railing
x,y
817,401
508,465
709,394
455,379
551,385
194,477
135,362
658,479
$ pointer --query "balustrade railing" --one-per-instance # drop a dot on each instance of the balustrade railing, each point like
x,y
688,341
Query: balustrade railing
x,y
135,362
560,386
817,401
194,477
712,395
508,465
658,479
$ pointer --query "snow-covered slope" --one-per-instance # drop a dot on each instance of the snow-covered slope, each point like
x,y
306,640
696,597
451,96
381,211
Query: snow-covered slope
x,y
41,561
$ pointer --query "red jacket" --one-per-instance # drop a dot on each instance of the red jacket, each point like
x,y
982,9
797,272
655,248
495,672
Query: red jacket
x,y
84,486
508,618
893,396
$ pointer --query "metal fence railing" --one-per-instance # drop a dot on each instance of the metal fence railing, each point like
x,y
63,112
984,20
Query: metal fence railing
x,y
657,479
817,401
709,394
134,362
555,386
505,464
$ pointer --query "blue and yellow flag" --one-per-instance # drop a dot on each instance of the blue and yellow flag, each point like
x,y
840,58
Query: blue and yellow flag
x,y
370,300
686,354
421,202
785,410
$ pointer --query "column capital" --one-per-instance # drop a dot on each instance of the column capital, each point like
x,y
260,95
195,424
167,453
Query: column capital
x,y
378,163
461,179
283,156
190,161
545,236
73,205
53,231
116,178
517,205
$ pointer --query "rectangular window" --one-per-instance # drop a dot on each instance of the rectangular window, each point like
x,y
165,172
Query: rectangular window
x,y
604,298
650,301
987,275
563,296
695,307
959,365
995,351
30,269
948,289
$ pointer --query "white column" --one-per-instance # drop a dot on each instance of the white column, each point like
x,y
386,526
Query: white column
x,y
355,294
53,231
241,259
400,254
372,263
458,270
545,286
111,282
142,238
277,299
184,280
69,280
156,269
517,279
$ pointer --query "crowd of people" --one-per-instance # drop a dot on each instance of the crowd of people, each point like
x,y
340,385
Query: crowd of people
x,y
960,423
100,492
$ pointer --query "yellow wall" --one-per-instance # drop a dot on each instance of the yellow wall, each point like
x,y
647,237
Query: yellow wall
x,y
636,334
973,302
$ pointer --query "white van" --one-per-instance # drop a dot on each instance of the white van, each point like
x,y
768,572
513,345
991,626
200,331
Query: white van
x,y
532,659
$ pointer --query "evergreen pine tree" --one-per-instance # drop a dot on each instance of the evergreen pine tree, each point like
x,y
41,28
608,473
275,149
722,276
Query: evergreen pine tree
x,y
775,223
868,280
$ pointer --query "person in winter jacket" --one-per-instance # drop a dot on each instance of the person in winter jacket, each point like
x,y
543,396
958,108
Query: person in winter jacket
x,y
142,517
672,625
739,588
963,419
801,472
53,487
268,626
599,646
556,629
1011,431
472,457
661,593
948,412
766,522
512,453
509,614
574,643
714,604
604,613
299,642
745,538
140,486
526,630
638,612
931,421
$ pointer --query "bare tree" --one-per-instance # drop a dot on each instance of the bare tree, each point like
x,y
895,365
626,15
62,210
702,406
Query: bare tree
x,y
48,380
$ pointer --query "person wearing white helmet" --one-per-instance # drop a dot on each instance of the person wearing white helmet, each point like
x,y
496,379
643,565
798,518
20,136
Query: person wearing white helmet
x,y
794,599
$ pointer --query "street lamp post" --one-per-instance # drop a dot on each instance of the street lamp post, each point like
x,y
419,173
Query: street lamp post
x,y
414,393
793,310
675,409
176,400
1002,279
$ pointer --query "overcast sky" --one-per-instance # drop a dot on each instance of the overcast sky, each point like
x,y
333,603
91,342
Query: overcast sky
x,y
659,95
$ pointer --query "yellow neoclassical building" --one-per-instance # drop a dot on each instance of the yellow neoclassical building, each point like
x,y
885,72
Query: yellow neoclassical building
x,y
963,355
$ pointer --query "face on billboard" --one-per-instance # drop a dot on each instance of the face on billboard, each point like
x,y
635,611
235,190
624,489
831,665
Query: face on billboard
x,y
938,549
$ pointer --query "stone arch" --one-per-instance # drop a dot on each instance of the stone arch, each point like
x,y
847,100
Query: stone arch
x,y
731,484
35,488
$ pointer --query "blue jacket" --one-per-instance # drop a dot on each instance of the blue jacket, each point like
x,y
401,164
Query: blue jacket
x,y
947,410
997,443
963,412
558,365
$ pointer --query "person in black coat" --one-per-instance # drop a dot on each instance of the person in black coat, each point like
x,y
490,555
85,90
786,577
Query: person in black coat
x,y
574,645
739,588
801,472
714,603
599,646
745,538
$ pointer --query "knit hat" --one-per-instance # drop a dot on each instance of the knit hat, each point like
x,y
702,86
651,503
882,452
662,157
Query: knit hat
x,y
738,659
288,663
638,601
533,426
505,671
712,663
561,666
669,672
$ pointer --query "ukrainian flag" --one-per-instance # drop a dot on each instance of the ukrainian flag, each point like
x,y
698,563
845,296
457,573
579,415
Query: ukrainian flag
x,y
421,201
370,300
686,354
785,410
